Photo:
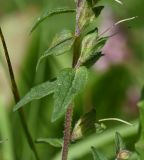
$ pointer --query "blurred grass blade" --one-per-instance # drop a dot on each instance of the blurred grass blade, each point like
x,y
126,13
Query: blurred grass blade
x,y
69,83
97,155
140,144
6,147
36,92
49,14
120,145
55,142
2,141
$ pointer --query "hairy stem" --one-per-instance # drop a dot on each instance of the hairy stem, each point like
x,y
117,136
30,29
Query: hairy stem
x,y
69,112
17,97
67,132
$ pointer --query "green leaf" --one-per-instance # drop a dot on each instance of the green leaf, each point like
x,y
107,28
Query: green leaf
x,y
97,10
92,2
120,145
61,44
49,14
95,30
140,144
91,49
36,92
69,83
85,15
56,142
92,59
97,155
87,11
84,126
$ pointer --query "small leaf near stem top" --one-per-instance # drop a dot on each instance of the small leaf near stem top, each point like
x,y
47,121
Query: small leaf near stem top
x,y
49,14
62,43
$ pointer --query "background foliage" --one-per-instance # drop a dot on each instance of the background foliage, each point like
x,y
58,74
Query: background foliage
x,y
114,91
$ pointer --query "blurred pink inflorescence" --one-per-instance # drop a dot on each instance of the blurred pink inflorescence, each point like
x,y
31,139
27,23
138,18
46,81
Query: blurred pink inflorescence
x,y
116,49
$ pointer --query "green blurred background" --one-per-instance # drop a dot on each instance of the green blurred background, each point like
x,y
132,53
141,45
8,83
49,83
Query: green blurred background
x,y
114,86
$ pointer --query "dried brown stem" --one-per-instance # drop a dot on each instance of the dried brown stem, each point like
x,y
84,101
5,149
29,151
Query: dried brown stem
x,y
17,96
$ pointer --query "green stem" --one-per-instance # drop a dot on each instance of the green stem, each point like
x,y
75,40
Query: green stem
x,y
17,97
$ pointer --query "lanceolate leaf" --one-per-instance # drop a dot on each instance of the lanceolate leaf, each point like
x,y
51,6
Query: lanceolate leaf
x,y
91,48
49,14
88,46
87,11
92,59
61,44
69,83
85,15
36,92
120,145
56,142
97,155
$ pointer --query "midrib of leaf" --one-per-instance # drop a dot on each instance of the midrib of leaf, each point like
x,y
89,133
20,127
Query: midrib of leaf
x,y
60,43
73,78
70,84
36,92
71,90
48,52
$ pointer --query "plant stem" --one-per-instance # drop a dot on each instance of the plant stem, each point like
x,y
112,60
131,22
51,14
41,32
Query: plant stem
x,y
82,148
69,112
67,132
17,97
